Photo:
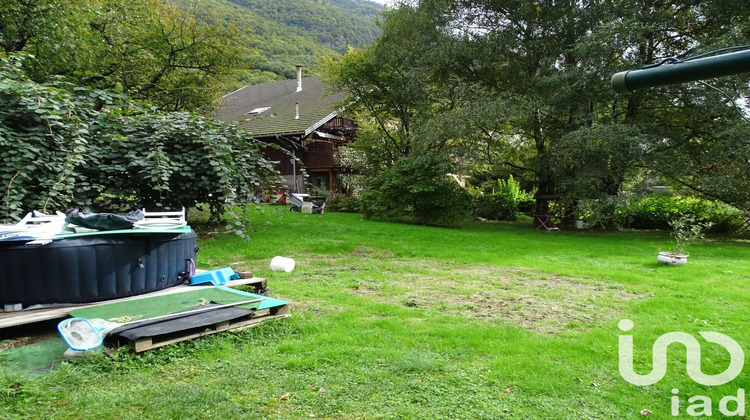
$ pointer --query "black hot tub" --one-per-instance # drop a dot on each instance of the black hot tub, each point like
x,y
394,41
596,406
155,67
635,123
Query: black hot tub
x,y
90,268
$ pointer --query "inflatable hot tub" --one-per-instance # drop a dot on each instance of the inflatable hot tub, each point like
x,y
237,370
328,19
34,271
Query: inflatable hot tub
x,y
94,267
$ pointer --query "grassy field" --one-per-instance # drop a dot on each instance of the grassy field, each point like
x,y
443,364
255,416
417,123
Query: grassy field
x,y
492,320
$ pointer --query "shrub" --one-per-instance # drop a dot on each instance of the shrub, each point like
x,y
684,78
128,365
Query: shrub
x,y
343,204
599,213
657,211
418,188
687,230
505,203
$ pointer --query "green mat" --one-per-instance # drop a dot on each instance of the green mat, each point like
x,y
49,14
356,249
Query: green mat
x,y
150,307
38,357
41,356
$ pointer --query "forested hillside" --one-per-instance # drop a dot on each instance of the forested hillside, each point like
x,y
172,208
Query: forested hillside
x,y
284,33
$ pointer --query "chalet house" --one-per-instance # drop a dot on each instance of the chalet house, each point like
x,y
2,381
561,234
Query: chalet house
x,y
301,117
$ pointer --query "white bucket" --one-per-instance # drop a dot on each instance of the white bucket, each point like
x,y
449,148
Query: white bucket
x,y
282,264
579,224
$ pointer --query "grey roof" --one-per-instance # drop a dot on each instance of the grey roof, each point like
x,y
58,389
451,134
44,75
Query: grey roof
x,y
316,107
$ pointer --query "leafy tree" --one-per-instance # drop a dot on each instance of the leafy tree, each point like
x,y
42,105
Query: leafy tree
x,y
396,85
691,134
181,54
174,58
23,20
42,138
530,91
395,91
148,49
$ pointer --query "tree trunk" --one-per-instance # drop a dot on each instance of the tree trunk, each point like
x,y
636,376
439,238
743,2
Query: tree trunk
x,y
546,190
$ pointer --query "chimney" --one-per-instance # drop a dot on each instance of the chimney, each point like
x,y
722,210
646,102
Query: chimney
x,y
299,78
296,111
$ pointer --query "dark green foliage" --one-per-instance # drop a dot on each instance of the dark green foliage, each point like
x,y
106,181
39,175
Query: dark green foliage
x,y
172,160
524,87
343,203
419,188
22,20
592,161
494,207
64,146
504,203
175,59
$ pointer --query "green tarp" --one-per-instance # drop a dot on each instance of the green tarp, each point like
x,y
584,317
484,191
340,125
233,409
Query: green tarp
x,y
150,307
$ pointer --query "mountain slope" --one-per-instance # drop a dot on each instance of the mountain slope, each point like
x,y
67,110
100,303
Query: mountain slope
x,y
334,23
281,34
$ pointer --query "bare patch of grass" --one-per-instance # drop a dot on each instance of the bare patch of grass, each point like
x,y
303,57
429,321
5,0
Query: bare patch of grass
x,y
534,300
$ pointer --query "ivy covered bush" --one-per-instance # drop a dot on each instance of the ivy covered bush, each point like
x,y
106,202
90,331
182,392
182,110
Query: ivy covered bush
x,y
65,146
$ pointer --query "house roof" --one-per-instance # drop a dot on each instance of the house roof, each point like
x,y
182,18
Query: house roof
x,y
270,108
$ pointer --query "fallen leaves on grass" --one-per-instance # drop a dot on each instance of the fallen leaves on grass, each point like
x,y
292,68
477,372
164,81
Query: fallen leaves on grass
x,y
285,396
645,412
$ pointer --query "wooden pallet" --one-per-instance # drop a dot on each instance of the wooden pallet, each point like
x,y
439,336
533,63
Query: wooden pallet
x,y
149,343
13,319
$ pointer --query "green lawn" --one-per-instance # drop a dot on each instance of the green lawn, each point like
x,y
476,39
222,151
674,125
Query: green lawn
x,y
492,320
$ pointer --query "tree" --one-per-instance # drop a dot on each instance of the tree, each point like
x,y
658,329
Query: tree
x,y
525,85
691,134
149,49
23,20
395,91
396,84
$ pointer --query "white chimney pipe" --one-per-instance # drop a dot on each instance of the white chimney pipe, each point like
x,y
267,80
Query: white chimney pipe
x,y
296,111
299,78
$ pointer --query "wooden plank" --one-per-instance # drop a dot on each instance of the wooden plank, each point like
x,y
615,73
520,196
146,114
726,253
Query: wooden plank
x,y
149,343
280,310
30,316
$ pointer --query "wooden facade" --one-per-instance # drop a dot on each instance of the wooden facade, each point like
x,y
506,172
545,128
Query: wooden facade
x,y
300,118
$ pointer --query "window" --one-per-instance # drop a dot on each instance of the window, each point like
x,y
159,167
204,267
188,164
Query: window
x,y
257,111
